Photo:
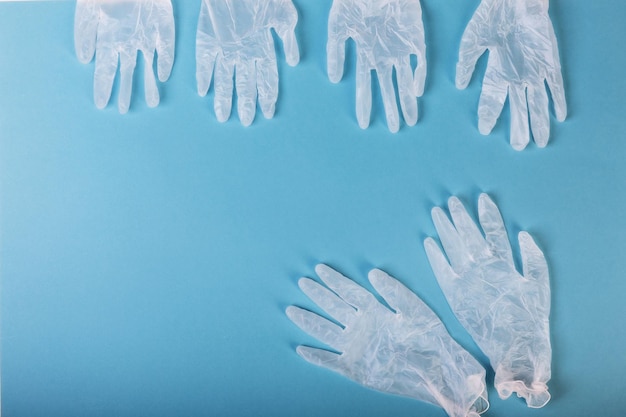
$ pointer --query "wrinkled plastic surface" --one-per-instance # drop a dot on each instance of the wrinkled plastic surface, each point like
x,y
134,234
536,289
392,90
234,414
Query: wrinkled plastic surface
x,y
387,33
504,311
115,30
523,56
234,39
407,352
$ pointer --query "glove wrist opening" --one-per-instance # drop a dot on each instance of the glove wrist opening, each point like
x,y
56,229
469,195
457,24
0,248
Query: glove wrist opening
x,y
536,395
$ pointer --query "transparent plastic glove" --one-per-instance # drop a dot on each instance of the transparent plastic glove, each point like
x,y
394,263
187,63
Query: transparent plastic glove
x,y
387,33
504,311
115,30
234,37
407,352
523,54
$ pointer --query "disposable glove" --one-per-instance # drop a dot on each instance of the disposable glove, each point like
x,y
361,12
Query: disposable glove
x,y
523,54
387,33
407,352
115,30
504,311
234,37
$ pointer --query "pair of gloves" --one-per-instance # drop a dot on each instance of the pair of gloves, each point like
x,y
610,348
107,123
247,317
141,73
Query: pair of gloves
x,y
523,56
234,40
407,350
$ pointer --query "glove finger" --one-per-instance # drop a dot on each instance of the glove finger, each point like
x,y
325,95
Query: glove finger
x,y
471,49
85,29
336,45
401,299
223,88
327,300
336,55
205,64
284,18
493,226
267,85
419,76
290,46
491,103
245,75
166,38
450,239
323,358
206,51
534,265
555,81
406,91
363,92
385,80
104,75
467,229
539,115
150,86
344,287
419,49
441,268
520,131
128,61
320,328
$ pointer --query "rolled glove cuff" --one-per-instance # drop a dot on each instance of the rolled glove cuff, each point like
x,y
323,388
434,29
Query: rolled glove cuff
x,y
536,395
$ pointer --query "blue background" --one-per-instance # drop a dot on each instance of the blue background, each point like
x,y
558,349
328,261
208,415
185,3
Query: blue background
x,y
147,259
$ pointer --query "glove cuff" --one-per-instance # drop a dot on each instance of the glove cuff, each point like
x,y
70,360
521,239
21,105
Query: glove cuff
x,y
536,395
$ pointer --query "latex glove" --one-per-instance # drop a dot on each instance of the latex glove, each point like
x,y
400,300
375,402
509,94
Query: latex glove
x,y
407,352
234,37
386,33
523,54
504,311
115,30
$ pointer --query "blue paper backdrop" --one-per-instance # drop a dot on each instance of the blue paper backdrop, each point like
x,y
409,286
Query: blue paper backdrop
x,y
147,259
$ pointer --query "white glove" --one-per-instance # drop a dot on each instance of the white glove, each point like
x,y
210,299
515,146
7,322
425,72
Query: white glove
x,y
407,352
386,33
523,54
234,37
504,311
115,30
